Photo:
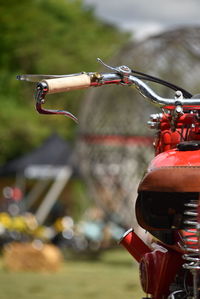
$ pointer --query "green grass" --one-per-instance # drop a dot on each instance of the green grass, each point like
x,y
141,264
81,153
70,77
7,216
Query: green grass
x,y
114,275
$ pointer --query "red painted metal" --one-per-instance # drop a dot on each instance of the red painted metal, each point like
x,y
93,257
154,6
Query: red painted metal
x,y
186,128
162,262
135,246
158,269
158,264
176,158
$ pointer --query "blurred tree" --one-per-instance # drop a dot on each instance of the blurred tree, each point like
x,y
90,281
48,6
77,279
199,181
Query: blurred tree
x,y
52,37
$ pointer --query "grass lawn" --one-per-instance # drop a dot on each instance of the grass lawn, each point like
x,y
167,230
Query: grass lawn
x,y
113,275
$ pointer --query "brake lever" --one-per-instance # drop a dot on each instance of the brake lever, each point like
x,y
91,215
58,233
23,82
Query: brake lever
x,y
41,91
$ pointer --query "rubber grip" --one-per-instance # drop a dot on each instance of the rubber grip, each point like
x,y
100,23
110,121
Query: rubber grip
x,y
68,83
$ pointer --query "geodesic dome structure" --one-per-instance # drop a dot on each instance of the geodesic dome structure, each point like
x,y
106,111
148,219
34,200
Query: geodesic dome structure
x,y
114,143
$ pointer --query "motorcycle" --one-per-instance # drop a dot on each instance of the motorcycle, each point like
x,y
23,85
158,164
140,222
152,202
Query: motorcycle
x,y
167,205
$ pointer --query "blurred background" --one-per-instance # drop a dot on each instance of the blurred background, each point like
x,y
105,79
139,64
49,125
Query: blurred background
x,y
67,191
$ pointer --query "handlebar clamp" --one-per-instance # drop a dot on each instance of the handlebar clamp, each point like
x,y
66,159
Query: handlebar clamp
x,y
41,91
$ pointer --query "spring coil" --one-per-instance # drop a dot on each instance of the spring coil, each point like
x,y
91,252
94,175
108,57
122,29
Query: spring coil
x,y
191,236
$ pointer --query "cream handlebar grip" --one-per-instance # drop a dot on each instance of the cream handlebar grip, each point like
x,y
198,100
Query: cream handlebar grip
x,y
68,83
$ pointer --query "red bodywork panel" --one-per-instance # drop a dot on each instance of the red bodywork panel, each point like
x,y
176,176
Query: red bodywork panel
x,y
174,170
156,271
175,157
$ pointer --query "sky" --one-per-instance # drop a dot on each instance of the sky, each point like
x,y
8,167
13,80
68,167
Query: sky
x,y
144,17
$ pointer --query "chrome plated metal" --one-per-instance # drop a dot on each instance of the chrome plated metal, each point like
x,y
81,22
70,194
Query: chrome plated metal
x,y
173,295
123,70
155,99
191,245
123,75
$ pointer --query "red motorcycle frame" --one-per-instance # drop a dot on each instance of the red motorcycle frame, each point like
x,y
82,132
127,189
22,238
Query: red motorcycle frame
x,y
175,171
167,205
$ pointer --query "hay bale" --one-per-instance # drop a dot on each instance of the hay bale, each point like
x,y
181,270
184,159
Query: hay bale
x,y
34,256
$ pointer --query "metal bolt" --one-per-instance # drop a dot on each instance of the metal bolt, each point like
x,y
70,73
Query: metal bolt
x,y
179,110
124,69
178,94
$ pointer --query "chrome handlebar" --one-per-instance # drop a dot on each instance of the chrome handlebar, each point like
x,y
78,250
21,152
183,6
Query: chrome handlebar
x,y
178,103
121,75
154,98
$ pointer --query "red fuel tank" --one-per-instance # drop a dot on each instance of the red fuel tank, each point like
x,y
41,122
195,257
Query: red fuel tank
x,y
176,158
